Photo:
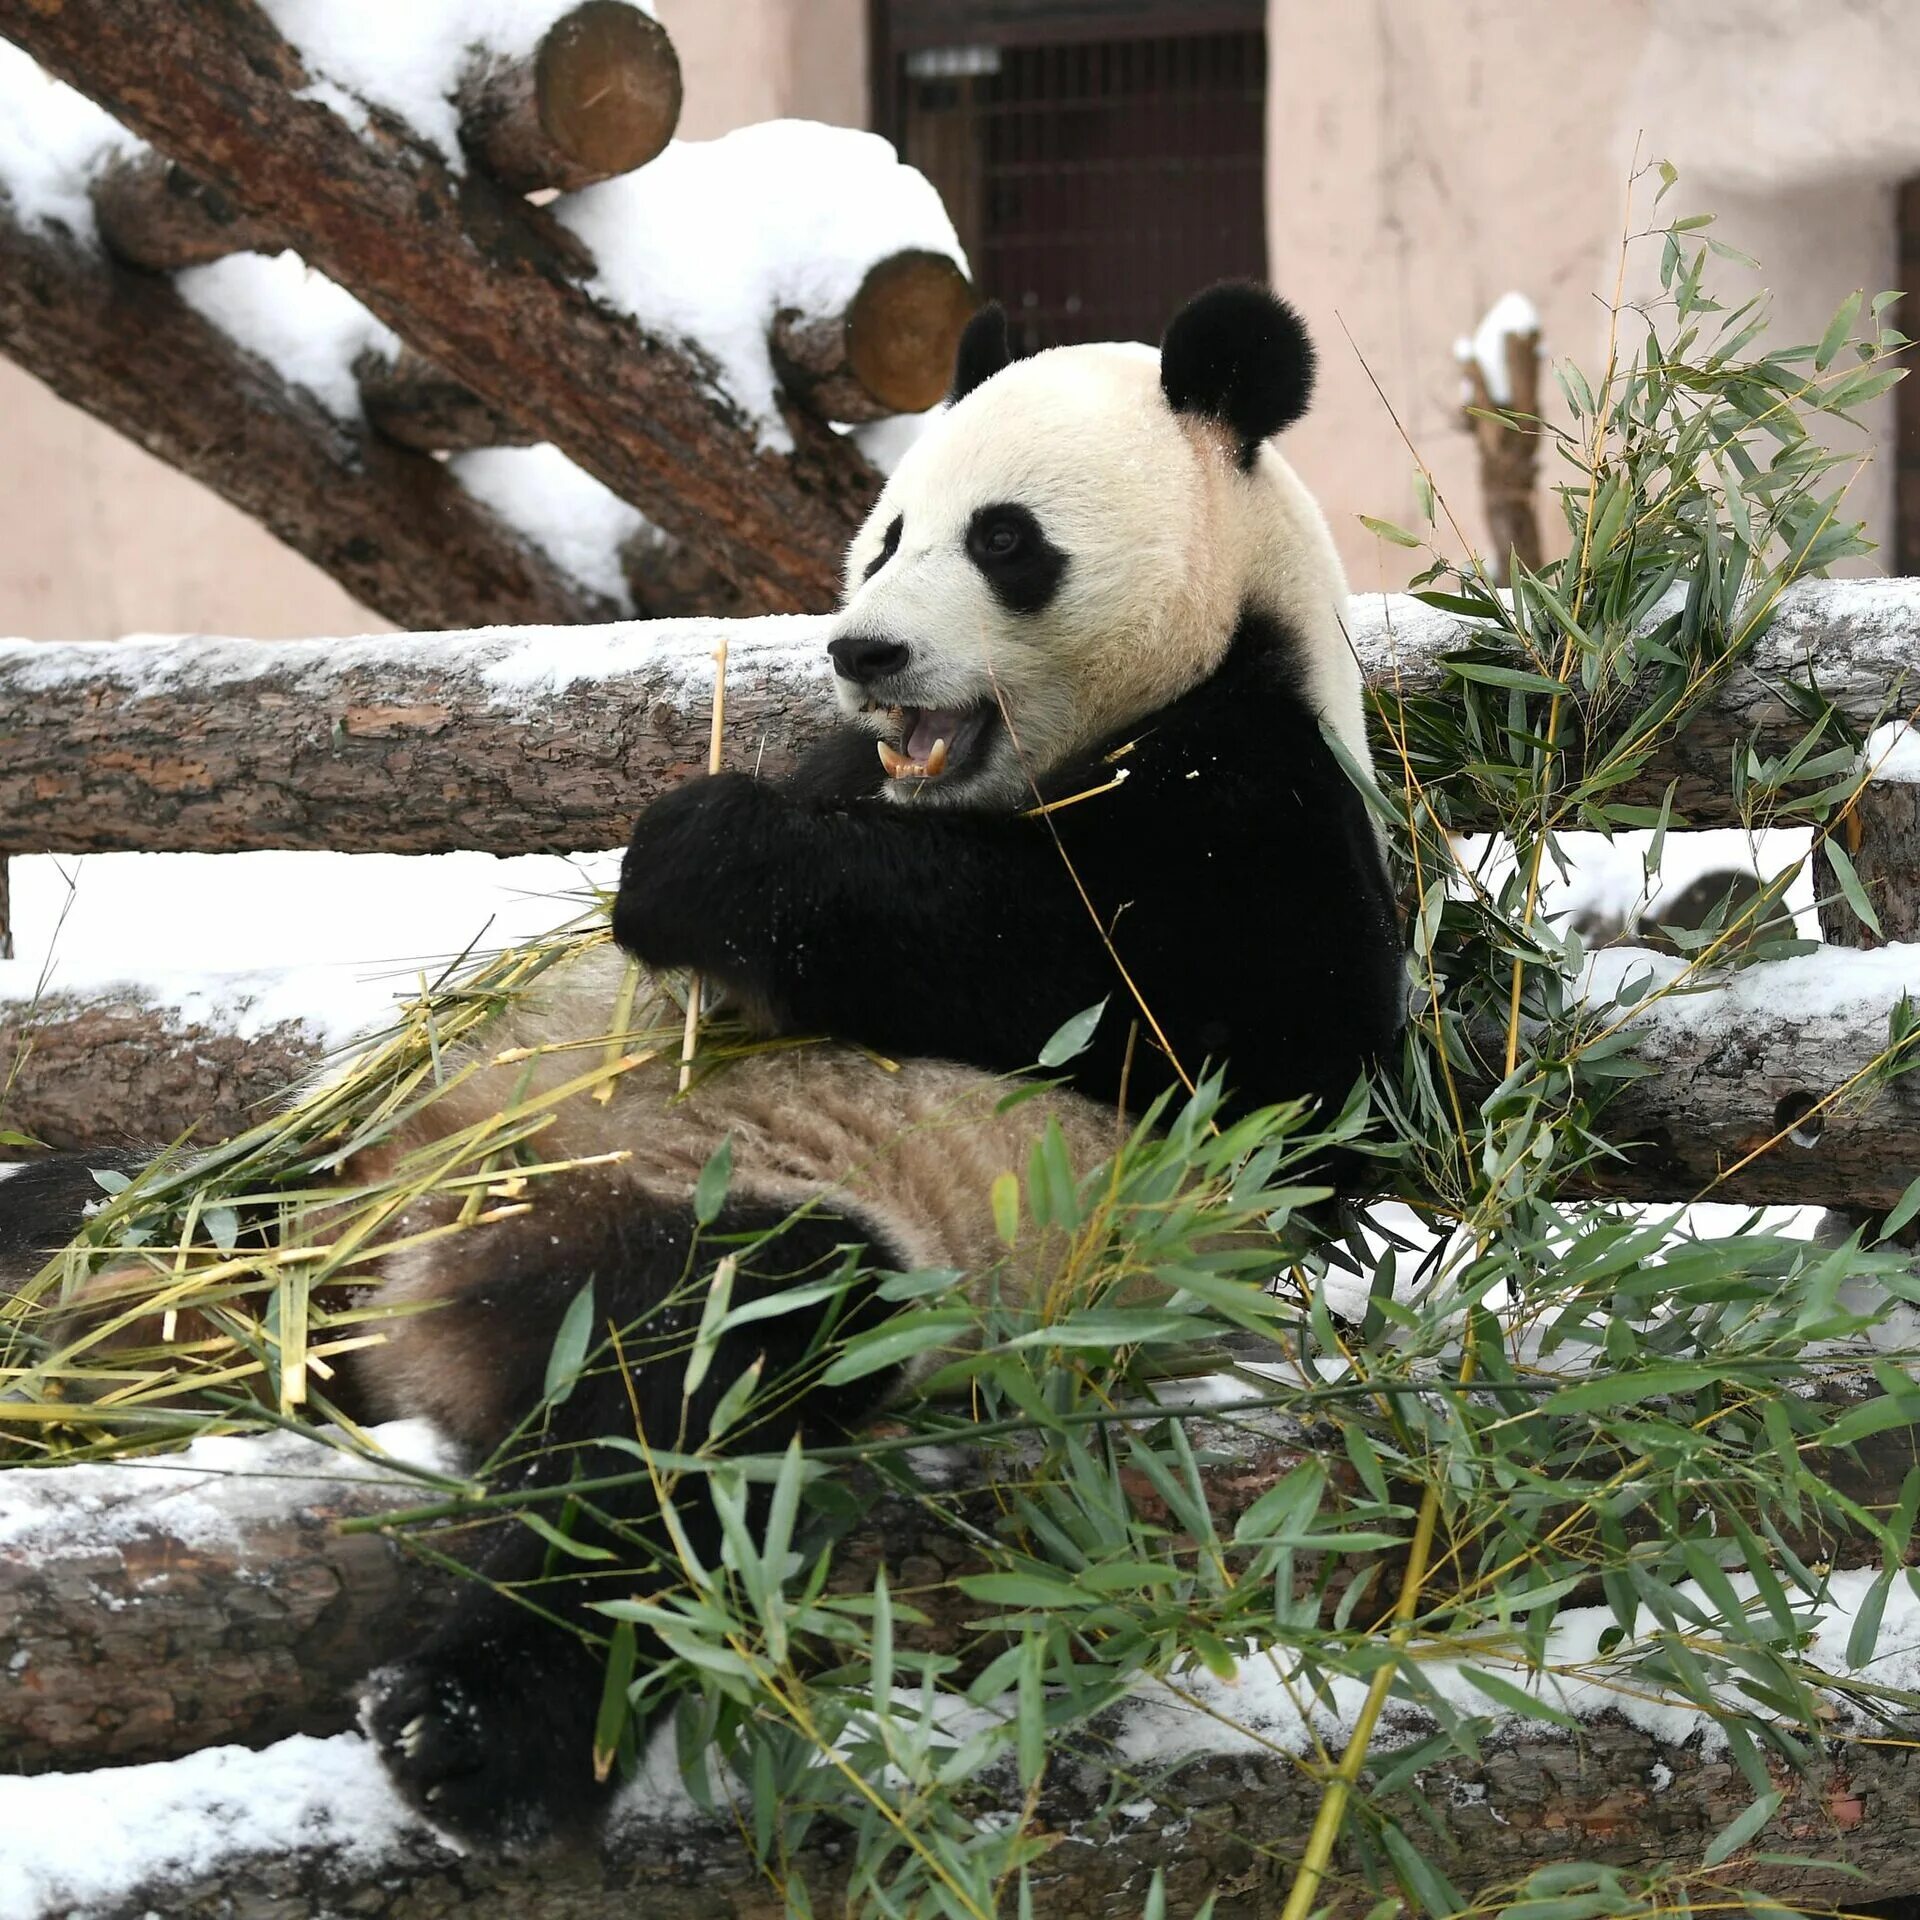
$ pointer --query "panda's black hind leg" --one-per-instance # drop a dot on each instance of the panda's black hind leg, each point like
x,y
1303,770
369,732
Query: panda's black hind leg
x,y
487,1726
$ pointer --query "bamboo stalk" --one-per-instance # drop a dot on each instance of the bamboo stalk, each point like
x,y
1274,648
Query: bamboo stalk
x,y
690,1038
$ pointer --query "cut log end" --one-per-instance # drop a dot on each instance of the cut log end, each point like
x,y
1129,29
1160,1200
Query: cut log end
x,y
156,215
411,400
601,96
891,351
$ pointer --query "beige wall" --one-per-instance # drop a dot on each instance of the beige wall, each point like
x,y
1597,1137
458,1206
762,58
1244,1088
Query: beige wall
x,y
99,540
1423,159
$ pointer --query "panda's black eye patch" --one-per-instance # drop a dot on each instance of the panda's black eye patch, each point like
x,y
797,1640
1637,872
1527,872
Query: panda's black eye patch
x,y
889,546
1022,566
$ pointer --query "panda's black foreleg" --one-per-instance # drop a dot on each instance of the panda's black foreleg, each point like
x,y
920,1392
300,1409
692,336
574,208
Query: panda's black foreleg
x,y
488,1726
44,1203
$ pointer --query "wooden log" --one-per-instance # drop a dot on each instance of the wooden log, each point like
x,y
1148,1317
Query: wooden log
x,y
410,400
155,214
223,746
1726,1117
1509,454
6,911
599,96
484,284
178,1628
101,1068
892,350
1881,836
150,1609
391,526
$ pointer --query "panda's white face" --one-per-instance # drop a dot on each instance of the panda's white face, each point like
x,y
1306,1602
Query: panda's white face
x,y
1059,556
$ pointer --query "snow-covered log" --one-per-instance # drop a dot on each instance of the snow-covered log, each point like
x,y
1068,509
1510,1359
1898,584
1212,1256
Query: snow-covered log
x,y
541,742
1763,1089
890,352
159,1608
156,215
139,1062
489,287
1760,1096
392,526
599,95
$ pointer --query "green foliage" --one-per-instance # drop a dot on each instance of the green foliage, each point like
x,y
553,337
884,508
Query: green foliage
x,y
1533,1408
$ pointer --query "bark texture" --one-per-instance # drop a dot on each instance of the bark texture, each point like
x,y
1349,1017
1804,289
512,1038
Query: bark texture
x,y
463,740
110,1070
156,215
1509,455
412,401
599,96
391,526
1881,836
470,276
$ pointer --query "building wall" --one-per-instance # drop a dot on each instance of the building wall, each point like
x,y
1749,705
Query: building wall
x,y
1424,160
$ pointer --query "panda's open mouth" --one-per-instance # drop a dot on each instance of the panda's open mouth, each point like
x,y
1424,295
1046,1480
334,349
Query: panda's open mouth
x,y
932,743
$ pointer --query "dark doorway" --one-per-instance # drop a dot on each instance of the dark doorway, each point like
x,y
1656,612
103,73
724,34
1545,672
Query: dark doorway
x,y
1101,162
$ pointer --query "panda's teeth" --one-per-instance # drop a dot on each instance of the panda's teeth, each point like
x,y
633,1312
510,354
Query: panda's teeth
x,y
895,762
937,760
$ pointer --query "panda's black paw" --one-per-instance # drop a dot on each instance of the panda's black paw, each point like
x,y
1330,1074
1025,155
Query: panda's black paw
x,y
495,1750
694,886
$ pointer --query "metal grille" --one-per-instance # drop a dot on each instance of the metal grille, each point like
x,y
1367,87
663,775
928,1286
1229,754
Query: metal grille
x,y
1095,184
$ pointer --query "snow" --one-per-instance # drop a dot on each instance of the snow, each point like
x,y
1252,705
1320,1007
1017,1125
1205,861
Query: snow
x,y
1511,314
205,1495
52,141
409,56
668,660
216,929
295,319
100,1836
711,240
1257,1709
1892,753
562,509
1838,986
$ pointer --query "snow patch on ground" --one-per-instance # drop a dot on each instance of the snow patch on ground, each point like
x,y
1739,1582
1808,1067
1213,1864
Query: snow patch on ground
x,y
1892,753
97,1837
53,140
562,509
215,931
1510,315
711,240
295,319
1258,1709
205,1495
410,58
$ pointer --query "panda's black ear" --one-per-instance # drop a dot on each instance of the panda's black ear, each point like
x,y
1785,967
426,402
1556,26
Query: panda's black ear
x,y
983,350
1240,355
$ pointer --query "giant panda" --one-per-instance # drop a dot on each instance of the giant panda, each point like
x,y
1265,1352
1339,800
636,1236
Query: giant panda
x,y
1090,659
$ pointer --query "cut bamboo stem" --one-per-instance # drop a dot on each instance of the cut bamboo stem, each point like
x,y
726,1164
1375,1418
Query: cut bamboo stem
x,y
690,1038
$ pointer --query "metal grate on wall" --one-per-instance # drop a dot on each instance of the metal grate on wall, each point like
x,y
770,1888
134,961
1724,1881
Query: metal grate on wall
x,y
1096,182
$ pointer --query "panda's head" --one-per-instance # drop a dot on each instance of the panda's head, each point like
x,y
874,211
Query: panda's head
x,y
1071,545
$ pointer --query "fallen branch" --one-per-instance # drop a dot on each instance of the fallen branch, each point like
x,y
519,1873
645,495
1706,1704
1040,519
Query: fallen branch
x,y
470,276
393,527
518,744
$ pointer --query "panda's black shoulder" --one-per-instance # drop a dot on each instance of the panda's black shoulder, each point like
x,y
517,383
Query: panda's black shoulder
x,y
1217,747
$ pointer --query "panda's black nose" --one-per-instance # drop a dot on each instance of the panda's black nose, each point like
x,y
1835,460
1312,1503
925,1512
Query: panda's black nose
x,y
866,656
